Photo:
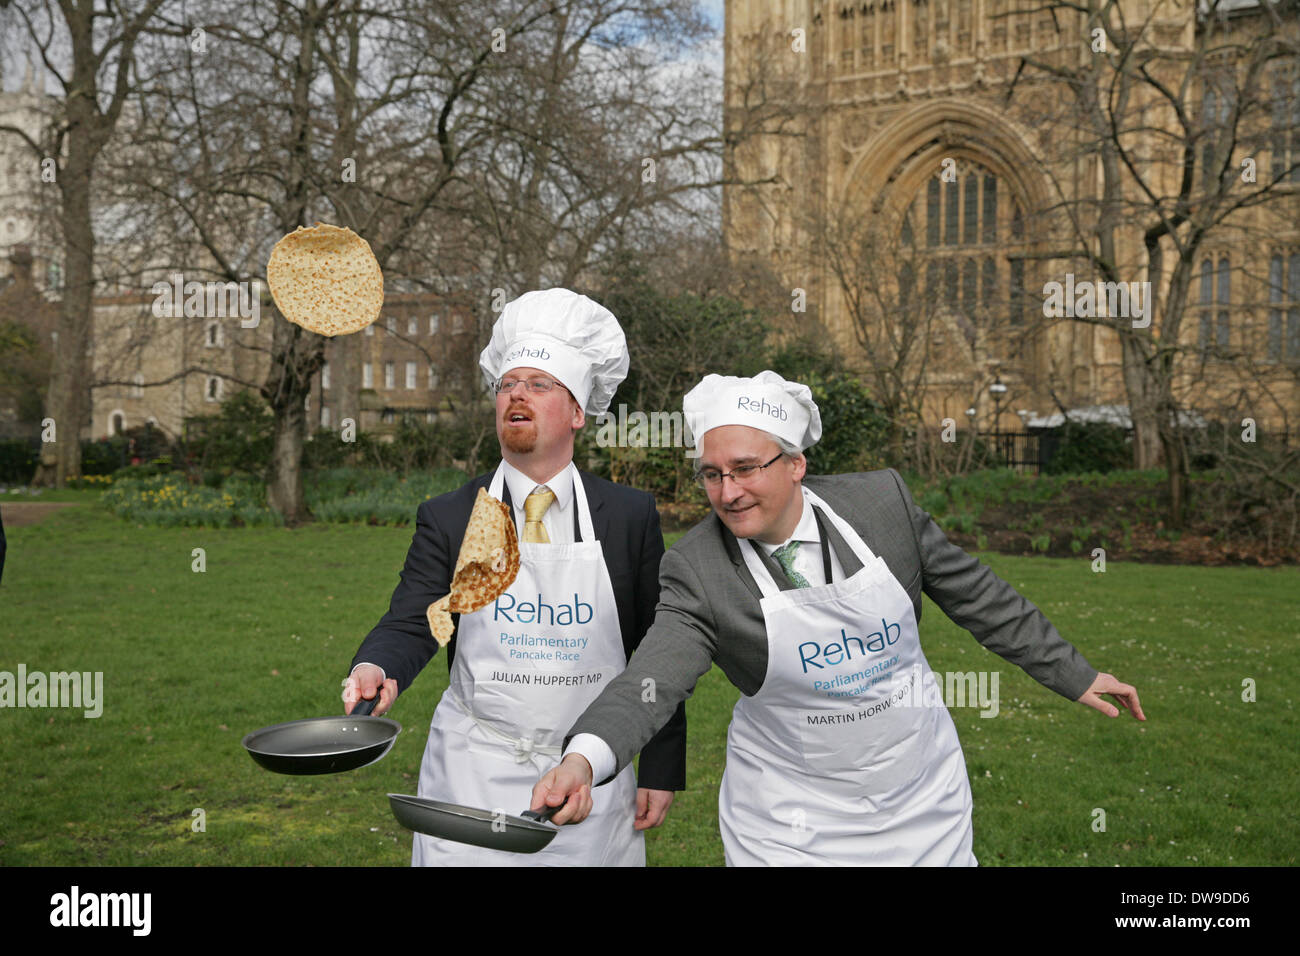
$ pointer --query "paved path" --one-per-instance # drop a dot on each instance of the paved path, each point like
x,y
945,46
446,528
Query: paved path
x,y
19,513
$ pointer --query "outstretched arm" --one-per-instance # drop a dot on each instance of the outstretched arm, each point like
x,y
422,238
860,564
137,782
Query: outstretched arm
x,y
999,617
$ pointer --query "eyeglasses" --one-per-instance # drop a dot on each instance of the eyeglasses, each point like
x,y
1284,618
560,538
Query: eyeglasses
x,y
740,474
538,385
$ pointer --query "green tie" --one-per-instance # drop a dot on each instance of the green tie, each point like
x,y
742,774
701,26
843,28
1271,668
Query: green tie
x,y
785,555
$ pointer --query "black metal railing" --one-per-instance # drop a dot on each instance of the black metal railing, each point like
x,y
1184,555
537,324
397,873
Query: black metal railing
x,y
1020,450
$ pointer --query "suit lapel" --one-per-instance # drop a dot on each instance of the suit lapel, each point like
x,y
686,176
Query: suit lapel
x,y
599,513
732,547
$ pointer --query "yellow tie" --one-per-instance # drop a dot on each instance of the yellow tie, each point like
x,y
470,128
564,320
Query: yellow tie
x,y
534,507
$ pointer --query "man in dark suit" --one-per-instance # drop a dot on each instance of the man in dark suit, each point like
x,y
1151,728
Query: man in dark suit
x,y
806,592
587,545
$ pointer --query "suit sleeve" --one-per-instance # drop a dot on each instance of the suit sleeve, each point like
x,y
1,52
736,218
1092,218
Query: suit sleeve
x,y
401,642
663,759
677,650
993,611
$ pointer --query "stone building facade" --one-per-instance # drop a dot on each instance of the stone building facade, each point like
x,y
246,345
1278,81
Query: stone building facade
x,y
936,129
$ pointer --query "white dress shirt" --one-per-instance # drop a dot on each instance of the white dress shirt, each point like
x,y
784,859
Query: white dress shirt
x,y
808,559
558,518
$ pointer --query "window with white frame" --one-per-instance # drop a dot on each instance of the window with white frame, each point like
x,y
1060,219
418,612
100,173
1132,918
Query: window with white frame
x,y
325,375
410,374
433,324
412,326
433,377
324,416
137,386
391,324
212,339
212,389
367,375
370,329
390,375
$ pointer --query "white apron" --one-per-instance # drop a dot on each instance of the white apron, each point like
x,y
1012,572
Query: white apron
x,y
835,760
526,667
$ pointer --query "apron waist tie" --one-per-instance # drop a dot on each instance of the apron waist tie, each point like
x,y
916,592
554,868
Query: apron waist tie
x,y
524,748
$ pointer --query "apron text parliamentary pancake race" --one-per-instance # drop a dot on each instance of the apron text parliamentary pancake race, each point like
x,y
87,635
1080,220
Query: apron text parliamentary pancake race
x,y
836,759
526,667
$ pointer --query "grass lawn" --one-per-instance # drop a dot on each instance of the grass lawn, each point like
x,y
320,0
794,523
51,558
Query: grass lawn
x,y
192,661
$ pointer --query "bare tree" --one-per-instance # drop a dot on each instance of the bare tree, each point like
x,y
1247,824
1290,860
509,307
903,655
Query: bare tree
x,y
89,50
394,118
1172,126
284,116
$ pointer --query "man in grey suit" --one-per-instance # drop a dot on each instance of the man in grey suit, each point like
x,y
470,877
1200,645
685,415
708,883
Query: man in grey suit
x,y
830,759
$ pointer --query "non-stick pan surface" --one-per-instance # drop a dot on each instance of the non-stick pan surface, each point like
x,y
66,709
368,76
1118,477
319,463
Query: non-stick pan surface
x,y
324,744
496,831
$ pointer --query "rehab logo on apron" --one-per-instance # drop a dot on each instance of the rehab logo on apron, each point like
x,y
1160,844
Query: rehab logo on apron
x,y
838,672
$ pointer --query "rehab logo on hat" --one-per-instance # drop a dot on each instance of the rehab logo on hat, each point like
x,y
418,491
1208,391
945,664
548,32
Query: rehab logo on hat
x,y
568,336
766,402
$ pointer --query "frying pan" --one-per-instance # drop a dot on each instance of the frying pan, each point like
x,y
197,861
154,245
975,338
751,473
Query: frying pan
x,y
324,744
526,833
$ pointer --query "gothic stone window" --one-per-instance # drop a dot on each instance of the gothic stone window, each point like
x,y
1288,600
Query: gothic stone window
x,y
867,35
845,37
1285,131
997,12
1284,307
1217,102
972,233
888,25
963,26
1212,306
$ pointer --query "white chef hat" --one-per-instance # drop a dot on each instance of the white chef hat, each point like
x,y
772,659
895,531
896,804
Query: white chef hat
x,y
565,334
766,401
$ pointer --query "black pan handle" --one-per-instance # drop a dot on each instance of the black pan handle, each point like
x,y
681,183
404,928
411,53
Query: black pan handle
x,y
543,815
364,707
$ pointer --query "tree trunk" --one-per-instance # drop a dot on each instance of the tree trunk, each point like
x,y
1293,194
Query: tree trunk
x,y
68,401
296,356
1171,440
345,378
284,491
1141,390
87,127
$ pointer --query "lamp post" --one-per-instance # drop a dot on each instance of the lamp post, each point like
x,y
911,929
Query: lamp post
x,y
974,434
997,390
